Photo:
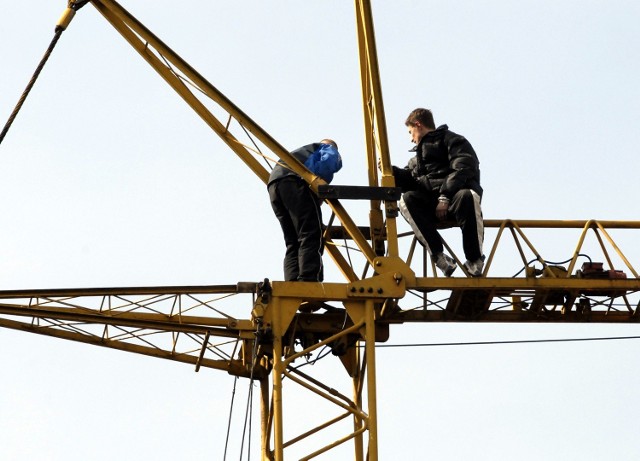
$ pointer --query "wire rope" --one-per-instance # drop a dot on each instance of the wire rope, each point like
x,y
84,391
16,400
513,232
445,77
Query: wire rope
x,y
27,90
73,6
233,396
545,262
519,341
248,415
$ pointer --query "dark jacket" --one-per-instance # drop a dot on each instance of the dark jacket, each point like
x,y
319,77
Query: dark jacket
x,y
321,159
444,163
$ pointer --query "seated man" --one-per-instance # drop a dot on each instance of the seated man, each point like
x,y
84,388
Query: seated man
x,y
442,183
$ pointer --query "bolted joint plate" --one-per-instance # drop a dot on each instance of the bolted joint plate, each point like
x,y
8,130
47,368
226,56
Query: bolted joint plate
x,y
393,277
387,285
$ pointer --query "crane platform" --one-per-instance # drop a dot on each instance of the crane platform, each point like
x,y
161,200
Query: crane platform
x,y
261,330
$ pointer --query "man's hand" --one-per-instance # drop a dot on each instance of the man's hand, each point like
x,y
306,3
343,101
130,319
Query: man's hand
x,y
442,209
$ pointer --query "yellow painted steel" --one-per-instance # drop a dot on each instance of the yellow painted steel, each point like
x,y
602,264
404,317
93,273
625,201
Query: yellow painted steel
x,y
375,129
370,348
186,324
144,42
66,18
178,311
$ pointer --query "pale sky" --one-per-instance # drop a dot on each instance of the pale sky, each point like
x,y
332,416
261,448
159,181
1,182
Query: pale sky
x,y
108,179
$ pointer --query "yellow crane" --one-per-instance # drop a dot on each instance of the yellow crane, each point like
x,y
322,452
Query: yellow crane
x,y
255,330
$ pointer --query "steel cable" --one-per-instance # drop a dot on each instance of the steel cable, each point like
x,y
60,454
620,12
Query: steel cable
x,y
25,93
233,397
517,341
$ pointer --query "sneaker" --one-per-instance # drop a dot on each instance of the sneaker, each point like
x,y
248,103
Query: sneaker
x,y
475,267
445,263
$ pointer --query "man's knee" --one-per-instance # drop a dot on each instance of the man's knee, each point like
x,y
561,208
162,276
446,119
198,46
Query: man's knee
x,y
465,199
413,201
464,195
408,197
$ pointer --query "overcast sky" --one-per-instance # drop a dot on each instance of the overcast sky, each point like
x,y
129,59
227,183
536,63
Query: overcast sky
x,y
108,179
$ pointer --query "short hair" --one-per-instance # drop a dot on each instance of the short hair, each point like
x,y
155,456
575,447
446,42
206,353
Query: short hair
x,y
329,141
424,116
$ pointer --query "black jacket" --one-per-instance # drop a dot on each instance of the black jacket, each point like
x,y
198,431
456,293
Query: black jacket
x,y
302,154
444,163
321,159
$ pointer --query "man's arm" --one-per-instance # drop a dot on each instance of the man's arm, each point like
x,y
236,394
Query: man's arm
x,y
324,162
404,179
463,163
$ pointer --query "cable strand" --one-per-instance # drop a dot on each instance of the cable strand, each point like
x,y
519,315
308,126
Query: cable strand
x,y
522,341
27,90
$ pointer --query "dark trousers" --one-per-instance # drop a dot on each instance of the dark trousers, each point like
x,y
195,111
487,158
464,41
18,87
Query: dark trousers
x,y
419,209
298,210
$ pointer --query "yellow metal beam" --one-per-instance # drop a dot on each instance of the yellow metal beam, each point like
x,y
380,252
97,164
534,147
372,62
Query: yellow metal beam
x,y
167,63
375,129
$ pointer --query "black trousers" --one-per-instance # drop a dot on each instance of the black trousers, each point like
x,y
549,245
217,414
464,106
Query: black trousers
x,y
298,210
419,209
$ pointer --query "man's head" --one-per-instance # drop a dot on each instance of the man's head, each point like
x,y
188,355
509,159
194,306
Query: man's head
x,y
420,122
329,141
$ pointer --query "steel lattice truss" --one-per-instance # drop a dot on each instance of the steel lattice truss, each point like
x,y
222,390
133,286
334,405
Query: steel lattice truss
x,y
207,325
267,330
262,330
197,325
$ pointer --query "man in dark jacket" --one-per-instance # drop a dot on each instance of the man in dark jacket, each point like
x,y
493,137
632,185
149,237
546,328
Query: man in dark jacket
x,y
442,183
298,209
